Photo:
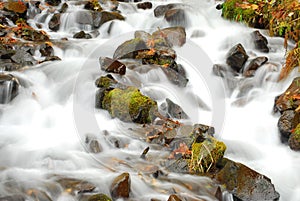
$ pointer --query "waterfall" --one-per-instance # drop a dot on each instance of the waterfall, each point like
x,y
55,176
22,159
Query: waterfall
x,y
6,91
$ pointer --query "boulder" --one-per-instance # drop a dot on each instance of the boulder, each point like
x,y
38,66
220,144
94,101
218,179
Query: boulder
x,y
287,122
13,198
121,186
23,58
289,100
175,77
144,5
112,66
46,50
236,57
93,5
176,17
260,41
106,82
82,35
53,2
99,197
75,186
175,111
16,7
54,22
175,36
85,17
129,49
174,198
245,183
129,105
254,64
99,18
294,140
93,144
9,88
64,8
162,9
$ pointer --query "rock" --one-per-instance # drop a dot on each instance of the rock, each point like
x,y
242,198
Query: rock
x,y
254,64
106,82
236,57
52,58
289,99
176,17
206,153
223,71
145,36
175,77
175,36
162,9
121,186
144,5
260,42
85,17
294,140
99,197
175,111
6,51
54,22
38,195
53,2
93,144
16,7
76,186
46,50
13,198
174,198
219,6
93,5
82,35
112,66
245,183
64,8
99,18
129,105
287,122
9,87
129,49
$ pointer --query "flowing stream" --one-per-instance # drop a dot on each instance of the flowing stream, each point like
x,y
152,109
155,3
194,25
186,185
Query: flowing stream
x,y
44,129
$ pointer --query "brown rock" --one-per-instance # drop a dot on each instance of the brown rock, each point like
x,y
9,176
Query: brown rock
x,y
236,57
144,5
256,63
120,187
112,66
176,17
260,42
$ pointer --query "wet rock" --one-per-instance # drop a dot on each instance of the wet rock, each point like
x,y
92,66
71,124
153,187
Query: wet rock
x,y
223,71
174,198
176,17
99,18
144,5
46,50
99,97
236,57
178,166
287,122
53,2
93,5
206,153
129,49
176,36
64,8
289,99
38,195
245,183
107,81
260,42
162,9
75,185
84,17
175,77
16,7
112,66
54,22
175,111
93,144
129,105
82,35
52,58
121,186
250,70
13,198
6,51
99,197
145,36
294,140
9,88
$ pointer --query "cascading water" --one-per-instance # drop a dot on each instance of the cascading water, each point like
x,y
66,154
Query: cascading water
x,y
5,91
41,138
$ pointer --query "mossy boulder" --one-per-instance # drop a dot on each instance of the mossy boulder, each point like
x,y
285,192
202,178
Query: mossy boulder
x,y
245,183
294,141
130,105
130,49
99,197
206,154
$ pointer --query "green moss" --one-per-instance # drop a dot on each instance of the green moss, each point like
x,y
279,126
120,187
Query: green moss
x,y
206,154
105,81
130,105
99,197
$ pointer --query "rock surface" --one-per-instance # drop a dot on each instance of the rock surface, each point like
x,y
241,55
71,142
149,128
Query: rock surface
x,y
121,186
112,66
260,41
236,57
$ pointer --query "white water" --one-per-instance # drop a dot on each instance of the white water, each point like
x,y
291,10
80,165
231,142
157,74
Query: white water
x,y
40,135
